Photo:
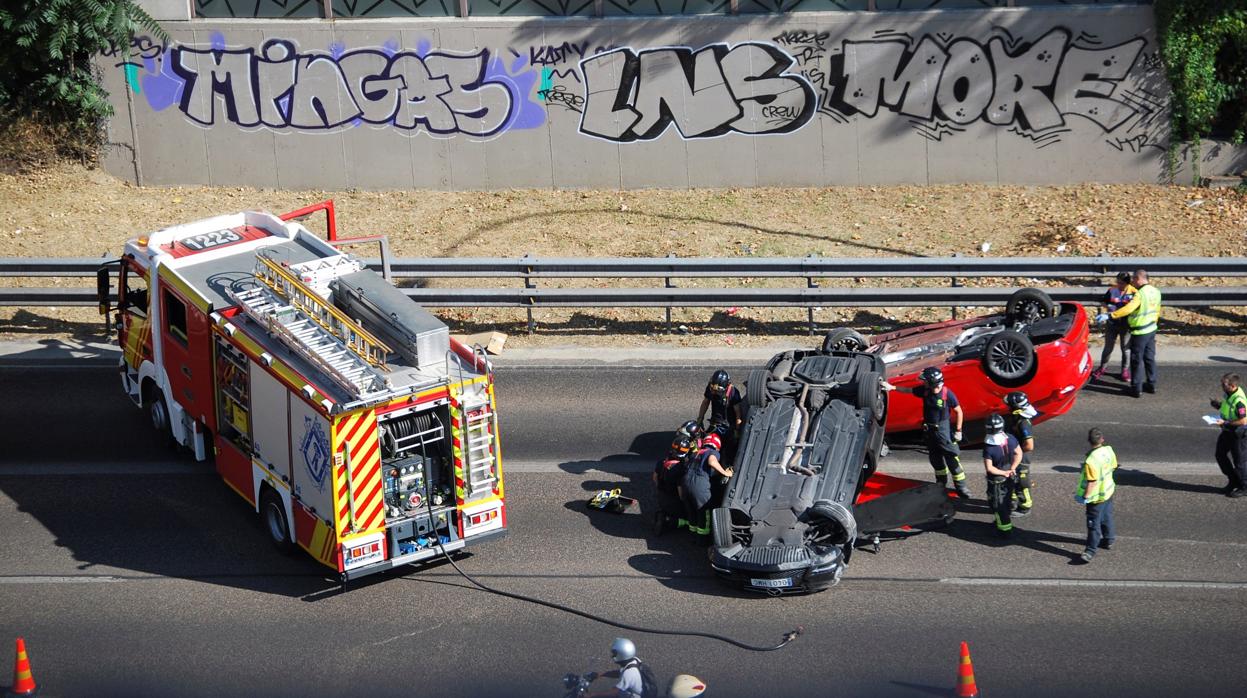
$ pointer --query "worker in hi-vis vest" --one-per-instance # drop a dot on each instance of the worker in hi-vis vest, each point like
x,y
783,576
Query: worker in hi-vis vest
x,y
1142,314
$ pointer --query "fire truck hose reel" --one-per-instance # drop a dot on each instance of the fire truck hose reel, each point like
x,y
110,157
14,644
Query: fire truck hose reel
x,y
784,641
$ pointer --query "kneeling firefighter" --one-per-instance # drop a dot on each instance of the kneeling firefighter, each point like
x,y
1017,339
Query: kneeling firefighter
x,y
697,483
667,477
1001,457
1018,425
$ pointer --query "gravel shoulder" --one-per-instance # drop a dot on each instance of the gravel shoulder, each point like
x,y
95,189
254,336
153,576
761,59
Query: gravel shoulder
x,y
72,211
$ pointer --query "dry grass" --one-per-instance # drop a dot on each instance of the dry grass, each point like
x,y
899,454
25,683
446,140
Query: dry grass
x,y
72,211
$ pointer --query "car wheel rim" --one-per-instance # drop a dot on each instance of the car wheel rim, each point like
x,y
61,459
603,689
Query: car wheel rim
x,y
1009,357
1031,311
273,517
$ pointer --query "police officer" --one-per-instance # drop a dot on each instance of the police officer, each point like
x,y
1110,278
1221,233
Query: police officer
x,y
1095,489
1142,314
940,413
668,474
723,400
1232,441
1001,457
697,484
1018,425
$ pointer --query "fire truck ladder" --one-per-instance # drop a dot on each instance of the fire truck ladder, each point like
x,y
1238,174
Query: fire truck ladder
x,y
314,329
478,454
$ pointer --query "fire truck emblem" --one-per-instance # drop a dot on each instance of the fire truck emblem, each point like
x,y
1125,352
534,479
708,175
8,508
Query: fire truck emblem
x,y
315,450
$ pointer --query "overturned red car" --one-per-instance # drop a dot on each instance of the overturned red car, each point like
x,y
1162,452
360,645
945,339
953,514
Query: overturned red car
x,y
1036,346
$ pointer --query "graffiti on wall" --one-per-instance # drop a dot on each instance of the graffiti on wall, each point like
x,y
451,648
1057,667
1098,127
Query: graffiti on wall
x,y
278,86
943,83
718,89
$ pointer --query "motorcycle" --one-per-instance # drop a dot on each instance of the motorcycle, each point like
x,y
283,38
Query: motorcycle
x,y
682,686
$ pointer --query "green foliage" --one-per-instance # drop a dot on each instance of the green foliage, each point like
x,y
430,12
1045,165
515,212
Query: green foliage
x,y
46,52
1204,47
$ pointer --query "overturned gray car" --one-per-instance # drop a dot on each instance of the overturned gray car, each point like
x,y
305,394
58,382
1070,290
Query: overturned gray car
x,y
794,509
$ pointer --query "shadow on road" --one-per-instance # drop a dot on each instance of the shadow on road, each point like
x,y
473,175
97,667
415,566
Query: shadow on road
x,y
984,533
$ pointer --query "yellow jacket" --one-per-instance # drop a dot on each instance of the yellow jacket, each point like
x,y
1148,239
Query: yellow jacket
x,y
1129,307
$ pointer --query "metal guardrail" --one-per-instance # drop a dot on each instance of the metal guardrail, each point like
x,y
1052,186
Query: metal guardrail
x,y
734,267
810,269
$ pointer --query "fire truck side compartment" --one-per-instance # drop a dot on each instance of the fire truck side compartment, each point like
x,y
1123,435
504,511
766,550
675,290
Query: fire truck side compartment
x,y
411,331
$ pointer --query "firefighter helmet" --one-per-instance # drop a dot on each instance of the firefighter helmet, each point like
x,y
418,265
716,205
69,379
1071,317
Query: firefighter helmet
x,y
719,382
932,376
622,650
1016,400
690,429
681,445
995,424
712,441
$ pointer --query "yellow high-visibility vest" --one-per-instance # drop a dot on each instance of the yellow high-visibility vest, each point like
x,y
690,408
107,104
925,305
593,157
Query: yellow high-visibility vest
x,y
1230,405
1143,319
1102,461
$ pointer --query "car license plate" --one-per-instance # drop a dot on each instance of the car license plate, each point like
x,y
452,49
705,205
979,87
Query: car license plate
x,y
772,583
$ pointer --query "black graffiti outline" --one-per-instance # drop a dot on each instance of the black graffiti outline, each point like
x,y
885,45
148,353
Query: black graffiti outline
x,y
628,84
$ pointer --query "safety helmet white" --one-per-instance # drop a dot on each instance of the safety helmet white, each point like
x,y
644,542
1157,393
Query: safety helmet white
x,y
622,650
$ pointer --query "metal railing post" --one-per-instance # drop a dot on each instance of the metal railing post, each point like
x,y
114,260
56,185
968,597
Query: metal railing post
x,y
667,284
528,283
956,283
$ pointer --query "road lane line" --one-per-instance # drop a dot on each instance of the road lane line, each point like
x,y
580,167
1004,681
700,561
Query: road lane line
x,y
67,579
1113,583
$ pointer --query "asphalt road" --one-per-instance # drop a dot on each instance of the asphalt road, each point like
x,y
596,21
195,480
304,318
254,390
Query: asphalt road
x,y
130,570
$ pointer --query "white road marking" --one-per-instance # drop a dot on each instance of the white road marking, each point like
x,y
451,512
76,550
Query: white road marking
x,y
1112,583
51,579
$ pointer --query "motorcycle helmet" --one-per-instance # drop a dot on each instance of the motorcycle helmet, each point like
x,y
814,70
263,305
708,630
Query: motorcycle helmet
x,y
622,650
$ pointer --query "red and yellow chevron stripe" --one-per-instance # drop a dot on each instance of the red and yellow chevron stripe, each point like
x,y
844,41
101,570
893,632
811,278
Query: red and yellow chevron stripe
x,y
357,437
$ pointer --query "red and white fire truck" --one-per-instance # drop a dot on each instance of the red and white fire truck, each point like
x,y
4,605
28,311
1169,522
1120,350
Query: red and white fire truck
x,y
347,415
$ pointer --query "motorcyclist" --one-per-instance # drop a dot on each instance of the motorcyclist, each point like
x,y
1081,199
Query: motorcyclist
x,y
629,673
941,426
723,400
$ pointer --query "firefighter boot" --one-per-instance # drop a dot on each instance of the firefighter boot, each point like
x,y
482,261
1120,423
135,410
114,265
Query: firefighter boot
x,y
959,484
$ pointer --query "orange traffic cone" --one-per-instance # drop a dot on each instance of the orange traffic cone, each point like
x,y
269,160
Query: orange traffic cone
x,y
966,687
23,680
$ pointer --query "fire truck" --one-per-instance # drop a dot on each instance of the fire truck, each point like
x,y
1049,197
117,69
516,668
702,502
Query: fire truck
x,y
345,414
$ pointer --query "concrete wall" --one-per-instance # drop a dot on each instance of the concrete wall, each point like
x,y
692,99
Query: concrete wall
x,y
1044,95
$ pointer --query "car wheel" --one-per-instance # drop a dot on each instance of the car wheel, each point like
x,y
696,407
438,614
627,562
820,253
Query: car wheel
x,y
721,526
755,388
158,413
870,394
838,514
1029,305
273,513
1008,357
844,339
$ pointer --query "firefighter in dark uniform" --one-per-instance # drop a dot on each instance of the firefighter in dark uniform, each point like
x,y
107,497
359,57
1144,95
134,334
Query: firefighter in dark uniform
x,y
723,400
1232,441
941,426
1001,457
697,484
668,474
1018,425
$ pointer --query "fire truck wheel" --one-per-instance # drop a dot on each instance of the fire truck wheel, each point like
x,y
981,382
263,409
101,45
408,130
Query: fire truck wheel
x,y
275,523
159,414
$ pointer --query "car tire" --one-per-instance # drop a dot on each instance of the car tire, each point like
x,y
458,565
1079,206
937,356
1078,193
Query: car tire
x,y
870,394
1029,305
273,516
755,388
834,511
721,527
844,339
1009,358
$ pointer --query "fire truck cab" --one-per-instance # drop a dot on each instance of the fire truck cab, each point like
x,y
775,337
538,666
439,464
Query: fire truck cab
x,y
343,412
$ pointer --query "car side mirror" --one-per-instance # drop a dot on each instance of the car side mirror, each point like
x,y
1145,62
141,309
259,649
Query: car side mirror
x,y
103,291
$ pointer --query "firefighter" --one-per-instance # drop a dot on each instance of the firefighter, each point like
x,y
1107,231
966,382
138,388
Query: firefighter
x,y
1142,314
668,474
1231,451
723,400
940,412
1116,331
697,483
1001,457
1018,425
1095,489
